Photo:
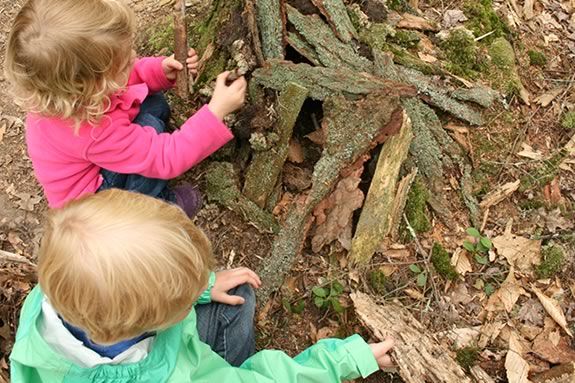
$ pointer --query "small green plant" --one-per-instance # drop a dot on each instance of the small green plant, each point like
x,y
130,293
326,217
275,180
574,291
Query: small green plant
x,y
553,258
295,308
326,297
568,121
467,357
479,247
537,58
421,275
442,262
377,281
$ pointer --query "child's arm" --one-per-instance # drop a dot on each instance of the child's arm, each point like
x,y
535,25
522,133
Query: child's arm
x,y
129,148
223,281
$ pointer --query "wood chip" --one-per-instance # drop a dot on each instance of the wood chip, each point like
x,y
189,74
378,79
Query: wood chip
x,y
409,21
553,309
500,194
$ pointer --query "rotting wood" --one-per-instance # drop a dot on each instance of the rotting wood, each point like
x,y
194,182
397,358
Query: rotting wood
x,y
399,203
564,373
331,51
499,194
429,92
181,49
409,21
420,357
376,216
352,129
271,22
265,169
325,82
336,15
222,187
480,375
251,19
303,48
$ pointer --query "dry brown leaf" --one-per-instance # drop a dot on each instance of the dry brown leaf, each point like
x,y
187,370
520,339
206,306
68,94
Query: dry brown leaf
x,y
452,17
499,194
461,262
489,332
461,337
551,346
507,294
409,21
334,213
325,332
460,294
528,152
553,309
414,294
547,98
516,367
295,151
528,9
520,252
296,178
531,312
554,220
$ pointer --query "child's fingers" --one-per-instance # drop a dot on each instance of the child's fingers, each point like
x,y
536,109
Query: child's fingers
x,y
385,362
193,65
233,300
193,59
386,346
192,52
221,79
174,64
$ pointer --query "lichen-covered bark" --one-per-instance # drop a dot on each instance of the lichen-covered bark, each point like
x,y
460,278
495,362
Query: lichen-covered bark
x,y
222,187
270,19
352,129
480,95
330,50
303,48
375,219
430,93
336,14
264,170
323,83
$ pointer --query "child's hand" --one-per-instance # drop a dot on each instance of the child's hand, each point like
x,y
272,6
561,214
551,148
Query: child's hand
x,y
227,99
228,279
380,352
171,66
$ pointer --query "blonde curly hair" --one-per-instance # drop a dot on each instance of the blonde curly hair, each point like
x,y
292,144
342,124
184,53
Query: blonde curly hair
x,y
65,58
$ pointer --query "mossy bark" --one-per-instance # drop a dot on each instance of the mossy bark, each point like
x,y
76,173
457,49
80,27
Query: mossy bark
x,y
336,14
263,173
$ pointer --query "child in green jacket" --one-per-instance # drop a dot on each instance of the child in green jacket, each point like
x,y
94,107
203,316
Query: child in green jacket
x,y
119,275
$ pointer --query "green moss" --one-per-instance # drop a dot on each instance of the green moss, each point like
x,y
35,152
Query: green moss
x,y
442,262
462,52
416,207
504,71
406,39
502,54
377,281
544,174
568,120
467,357
399,5
483,19
377,35
553,258
531,204
537,58
160,37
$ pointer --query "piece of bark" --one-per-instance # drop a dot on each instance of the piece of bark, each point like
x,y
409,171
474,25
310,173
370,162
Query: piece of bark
x,y
251,19
418,354
336,15
303,48
409,21
480,375
403,189
501,193
564,373
528,9
265,168
430,93
181,49
480,95
352,129
332,52
376,216
271,23
325,82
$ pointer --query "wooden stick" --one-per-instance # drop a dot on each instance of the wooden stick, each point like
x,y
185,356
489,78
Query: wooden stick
x,y
181,48
15,258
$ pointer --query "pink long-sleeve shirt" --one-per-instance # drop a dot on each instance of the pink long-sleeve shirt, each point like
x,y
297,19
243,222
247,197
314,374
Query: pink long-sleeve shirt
x,y
68,165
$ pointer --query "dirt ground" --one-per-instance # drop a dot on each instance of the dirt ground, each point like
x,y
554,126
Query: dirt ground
x,y
291,321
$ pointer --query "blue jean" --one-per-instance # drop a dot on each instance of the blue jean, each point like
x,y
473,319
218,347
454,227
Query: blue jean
x,y
154,112
229,330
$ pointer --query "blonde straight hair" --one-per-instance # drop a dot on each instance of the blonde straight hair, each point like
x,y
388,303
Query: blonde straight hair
x,y
64,58
118,264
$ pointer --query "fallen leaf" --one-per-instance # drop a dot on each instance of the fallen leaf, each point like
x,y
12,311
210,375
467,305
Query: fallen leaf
x,y
528,152
295,151
489,332
409,21
425,57
516,367
317,136
325,332
414,294
295,178
335,212
499,194
547,98
461,262
460,295
555,221
507,294
28,201
528,9
551,346
529,332
461,337
452,17
531,312
553,309
520,252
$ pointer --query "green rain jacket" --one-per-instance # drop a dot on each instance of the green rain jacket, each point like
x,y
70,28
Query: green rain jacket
x,y
178,356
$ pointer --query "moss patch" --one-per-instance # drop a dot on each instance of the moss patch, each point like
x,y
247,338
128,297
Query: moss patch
x,y
399,5
462,52
416,207
544,174
568,120
377,281
483,19
467,357
553,258
504,71
160,37
406,39
442,262
537,58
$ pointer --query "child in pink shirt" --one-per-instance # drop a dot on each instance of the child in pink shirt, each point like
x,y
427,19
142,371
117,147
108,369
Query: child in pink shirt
x,y
96,113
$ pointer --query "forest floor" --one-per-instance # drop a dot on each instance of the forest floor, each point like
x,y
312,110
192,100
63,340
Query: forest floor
x,y
515,271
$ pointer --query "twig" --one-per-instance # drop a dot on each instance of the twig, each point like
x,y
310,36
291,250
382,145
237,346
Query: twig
x,y
181,48
484,36
15,258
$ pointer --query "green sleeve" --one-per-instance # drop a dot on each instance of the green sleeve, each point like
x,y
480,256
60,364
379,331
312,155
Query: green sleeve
x,y
330,360
206,298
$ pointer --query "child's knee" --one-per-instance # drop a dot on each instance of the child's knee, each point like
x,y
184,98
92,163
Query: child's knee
x,y
247,292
